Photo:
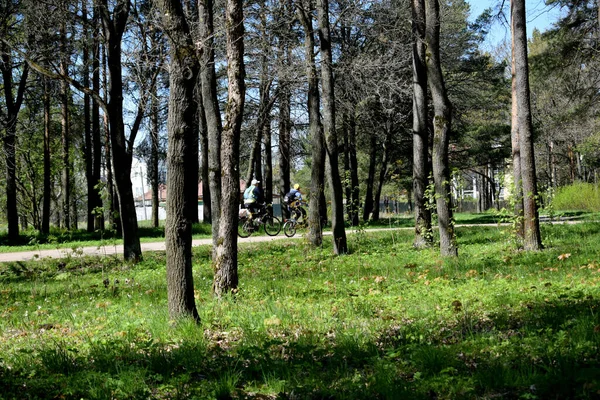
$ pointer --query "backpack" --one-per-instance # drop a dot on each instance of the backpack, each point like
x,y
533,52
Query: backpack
x,y
249,195
290,196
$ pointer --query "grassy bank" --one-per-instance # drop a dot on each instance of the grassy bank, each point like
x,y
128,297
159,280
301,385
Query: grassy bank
x,y
385,321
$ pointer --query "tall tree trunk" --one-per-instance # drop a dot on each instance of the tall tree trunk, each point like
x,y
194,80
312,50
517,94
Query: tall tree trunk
x,y
532,237
13,105
337,207
441,127
346,155
206,205
47,166
354,184
192,171
183,147
423,233
225,262
316,202
114,27
87,124
516,149
212,112
368,206
65,133
96,133
382,173
268,161
154,145
285,144
284,56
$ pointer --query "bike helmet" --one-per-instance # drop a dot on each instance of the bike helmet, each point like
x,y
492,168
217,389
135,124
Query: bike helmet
x,y
296,186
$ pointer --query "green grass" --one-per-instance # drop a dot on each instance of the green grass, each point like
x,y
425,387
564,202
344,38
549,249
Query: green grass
x,y
384,322
578,196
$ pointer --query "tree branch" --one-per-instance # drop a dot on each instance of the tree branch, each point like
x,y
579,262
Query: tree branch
x,y
57,76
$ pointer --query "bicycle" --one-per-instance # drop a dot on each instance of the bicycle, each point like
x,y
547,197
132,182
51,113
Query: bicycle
x,y
250,223
290,226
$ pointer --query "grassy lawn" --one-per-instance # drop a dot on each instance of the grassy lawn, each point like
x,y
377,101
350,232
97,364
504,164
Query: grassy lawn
x,y
384,322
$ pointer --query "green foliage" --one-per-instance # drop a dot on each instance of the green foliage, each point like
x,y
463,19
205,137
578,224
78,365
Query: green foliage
x,y
385,322
579,196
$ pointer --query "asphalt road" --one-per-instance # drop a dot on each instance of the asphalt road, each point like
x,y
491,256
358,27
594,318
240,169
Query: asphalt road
x,y
111,249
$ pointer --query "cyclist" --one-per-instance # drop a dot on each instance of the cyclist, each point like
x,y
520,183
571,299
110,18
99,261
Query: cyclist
x,y
294,202
253,197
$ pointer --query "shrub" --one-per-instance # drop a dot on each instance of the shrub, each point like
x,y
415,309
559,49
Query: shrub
x,y
579,196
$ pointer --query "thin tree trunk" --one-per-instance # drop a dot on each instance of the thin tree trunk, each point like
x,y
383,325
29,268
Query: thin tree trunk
x,y
268,161
382,174
47,170
13,105
114,27
355,196
441,125
65,134
206,202
192,172
315,207
368,206
96,134
87,125
337,207
532,236
285,140
225,263
423,233
212,113
154,144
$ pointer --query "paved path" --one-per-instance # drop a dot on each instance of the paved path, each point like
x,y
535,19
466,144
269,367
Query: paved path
x,y
118,248
160,246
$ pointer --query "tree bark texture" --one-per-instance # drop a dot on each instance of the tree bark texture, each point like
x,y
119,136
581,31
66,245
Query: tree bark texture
x,y
423,233
47,166
368,206
206,202
212,112
87,123
354,185
13,105
121,150
183,73
315,206
331,143
225,262
154,144
532,238
285,144
96,133
516,151
65,132
268,177
382,173
442,121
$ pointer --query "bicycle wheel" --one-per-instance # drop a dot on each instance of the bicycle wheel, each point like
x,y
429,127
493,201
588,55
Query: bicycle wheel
x,y
272,226
289,228
244,228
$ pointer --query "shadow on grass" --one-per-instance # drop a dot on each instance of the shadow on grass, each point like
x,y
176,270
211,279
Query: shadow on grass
x,y
543,350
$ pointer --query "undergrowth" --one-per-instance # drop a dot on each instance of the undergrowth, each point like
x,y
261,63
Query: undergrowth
x,y
383,322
